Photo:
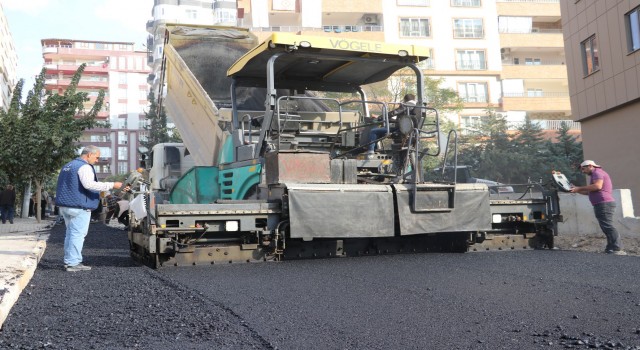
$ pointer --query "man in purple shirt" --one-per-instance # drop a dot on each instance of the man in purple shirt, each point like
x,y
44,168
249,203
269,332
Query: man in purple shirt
x,y
600,195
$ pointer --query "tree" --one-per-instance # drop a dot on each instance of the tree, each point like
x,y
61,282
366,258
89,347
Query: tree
x,y
158,131
529,145
9,124
566,155
489,151
394,89
45,130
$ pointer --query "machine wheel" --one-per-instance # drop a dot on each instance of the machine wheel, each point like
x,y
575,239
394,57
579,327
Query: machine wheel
x,y
544,240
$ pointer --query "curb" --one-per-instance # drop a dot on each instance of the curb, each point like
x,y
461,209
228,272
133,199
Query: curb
x,y
22,275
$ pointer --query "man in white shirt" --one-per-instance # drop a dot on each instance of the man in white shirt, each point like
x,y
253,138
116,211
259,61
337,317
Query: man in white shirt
x,y
77,194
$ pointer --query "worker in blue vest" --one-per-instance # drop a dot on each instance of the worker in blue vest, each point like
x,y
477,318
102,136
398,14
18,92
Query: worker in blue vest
x,y
77,194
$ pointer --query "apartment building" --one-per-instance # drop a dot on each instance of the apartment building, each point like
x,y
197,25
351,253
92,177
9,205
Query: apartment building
x,y
119,70
507,54
534,72
602,45
205,12
8,62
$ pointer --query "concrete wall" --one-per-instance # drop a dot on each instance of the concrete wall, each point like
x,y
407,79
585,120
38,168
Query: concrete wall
x,y
579,218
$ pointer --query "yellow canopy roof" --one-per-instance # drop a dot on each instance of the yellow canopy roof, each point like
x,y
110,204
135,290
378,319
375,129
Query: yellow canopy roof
x,y
323,63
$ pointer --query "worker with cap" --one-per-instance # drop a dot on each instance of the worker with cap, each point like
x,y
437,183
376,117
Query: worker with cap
x,y
600,195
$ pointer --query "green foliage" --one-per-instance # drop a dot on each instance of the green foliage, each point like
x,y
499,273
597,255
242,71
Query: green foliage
x,y
393,90
43,130
566,155
158,131
496,154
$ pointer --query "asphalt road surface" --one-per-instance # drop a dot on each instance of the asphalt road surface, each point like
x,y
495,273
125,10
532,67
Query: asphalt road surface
x,y
501,300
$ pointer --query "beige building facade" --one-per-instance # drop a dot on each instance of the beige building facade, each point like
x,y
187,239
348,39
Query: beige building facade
x,y
515,64
602,44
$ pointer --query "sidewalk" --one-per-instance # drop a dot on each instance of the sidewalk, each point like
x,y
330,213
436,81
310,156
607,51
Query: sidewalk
x,y
21,247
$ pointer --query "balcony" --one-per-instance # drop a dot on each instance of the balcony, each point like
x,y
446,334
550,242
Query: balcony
x,y
539,101
103,68
364,32
357,6
49,50
542,38
544,70
87,84
545,124
528,7
89,54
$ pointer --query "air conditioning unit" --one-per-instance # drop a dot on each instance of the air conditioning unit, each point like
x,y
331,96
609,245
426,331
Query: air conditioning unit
x,y
505,50
370,19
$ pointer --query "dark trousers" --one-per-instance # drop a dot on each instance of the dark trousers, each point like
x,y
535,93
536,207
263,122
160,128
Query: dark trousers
x,y
604,214
6,212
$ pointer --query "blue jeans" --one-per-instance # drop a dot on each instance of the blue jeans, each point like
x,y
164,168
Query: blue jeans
x,y
77,222
604,214
6,213
375,134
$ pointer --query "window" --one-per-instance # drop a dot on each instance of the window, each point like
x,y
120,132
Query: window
x,y
632,20
590,60
122,137
428,63
471,60
192,14
413,2
105,152
465,3
122,122
283,5
123,153
123,167
532,61
224,16
414,27
99,138
470,121
468,28
534,93
473,92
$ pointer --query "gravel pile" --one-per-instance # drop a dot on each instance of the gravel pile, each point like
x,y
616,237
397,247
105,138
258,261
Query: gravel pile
x,y
117,305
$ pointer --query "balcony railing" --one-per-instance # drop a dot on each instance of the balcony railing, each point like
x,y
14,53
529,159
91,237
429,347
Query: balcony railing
x,y
523,62
535,94
471,65
326,29
466,3
533,1
474,127
530,31
545,124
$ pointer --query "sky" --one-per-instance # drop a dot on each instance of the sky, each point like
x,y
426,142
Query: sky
x,y
101,20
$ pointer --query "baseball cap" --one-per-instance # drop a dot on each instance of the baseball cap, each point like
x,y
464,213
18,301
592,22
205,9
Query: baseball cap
x,y
590,162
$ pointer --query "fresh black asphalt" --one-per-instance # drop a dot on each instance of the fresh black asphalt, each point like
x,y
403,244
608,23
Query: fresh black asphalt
x,y
500,300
